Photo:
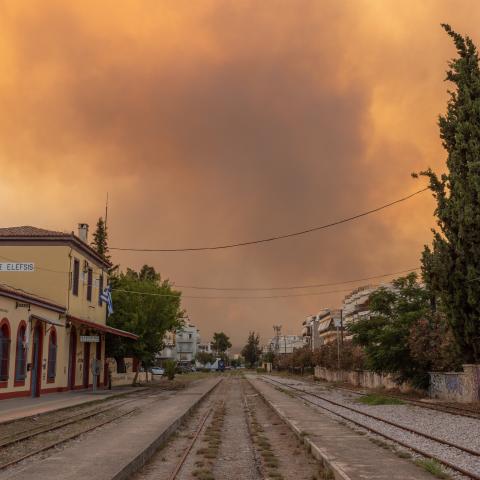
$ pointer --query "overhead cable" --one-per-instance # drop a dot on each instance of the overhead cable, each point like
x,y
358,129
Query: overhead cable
x,y
275,237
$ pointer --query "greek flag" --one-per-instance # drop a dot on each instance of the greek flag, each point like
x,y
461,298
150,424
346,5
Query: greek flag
x,y
106,296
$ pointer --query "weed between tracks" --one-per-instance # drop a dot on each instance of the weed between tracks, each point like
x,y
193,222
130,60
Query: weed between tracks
x,y
433,467
211,439
374,399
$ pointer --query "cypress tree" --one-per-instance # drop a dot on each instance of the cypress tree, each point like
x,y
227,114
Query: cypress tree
x,y
100,239
451,266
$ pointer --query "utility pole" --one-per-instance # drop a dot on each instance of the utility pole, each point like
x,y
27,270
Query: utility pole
x,y
337,321
277,329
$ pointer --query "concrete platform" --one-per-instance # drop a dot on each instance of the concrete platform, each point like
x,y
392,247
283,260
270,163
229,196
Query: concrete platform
x,y
350,455
15,408
117,450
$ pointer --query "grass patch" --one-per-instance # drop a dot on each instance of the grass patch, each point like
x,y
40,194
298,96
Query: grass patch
x,y
433,467
375,399
203,474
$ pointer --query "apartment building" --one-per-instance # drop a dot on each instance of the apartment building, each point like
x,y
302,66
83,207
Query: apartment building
x,y
355,305
181,345
330,326
283,344
310,331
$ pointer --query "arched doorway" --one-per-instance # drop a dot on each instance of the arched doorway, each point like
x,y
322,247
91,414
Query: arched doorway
x,y
36,381
72,358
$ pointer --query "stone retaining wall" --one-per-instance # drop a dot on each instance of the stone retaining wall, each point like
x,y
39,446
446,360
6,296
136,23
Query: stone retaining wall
x,y
450,386
360,378
127,378
456,386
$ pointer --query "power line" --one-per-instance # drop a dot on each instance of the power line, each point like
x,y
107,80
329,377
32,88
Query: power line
x,y
259,289
297,287
311,294
275,237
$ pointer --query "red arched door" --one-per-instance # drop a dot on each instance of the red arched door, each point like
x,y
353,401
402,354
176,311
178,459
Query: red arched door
x,y
72,358
36,380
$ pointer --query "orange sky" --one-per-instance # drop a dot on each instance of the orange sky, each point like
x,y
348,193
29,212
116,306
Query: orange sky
x,y
218,121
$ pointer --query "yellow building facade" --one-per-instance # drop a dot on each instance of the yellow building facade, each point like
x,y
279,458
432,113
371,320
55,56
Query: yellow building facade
x,y
52,320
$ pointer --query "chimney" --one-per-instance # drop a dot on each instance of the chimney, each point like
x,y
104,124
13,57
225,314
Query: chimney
x,y
83,232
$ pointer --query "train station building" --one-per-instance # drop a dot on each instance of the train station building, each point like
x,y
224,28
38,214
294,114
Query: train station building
x,y
52,319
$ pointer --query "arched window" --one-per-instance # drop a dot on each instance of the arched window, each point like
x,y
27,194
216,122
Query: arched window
x,y
52,356
20,360
4,349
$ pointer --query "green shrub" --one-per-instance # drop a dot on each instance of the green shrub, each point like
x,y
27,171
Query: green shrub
x,y
170,367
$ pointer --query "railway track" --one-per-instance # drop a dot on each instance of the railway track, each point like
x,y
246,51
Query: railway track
x,y
35,435
199,429
220,393
445,408
466,460
26,434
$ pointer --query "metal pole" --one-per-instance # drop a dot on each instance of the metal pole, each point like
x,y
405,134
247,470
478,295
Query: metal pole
x,y
338,349
341,327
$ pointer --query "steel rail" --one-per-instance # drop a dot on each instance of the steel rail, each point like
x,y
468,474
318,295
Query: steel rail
x,y
378,432
70,407
389,422
458,411
179,465
27,434
44,428
461,412
63,440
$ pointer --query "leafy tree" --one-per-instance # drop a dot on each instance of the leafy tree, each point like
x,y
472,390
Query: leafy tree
x,y
221,342
205,357
451,267
269,357
432,344
352,356
100,239
149,274
150,312
390,336
251,351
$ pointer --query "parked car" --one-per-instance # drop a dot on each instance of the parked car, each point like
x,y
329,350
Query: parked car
x,y
157,371
185,367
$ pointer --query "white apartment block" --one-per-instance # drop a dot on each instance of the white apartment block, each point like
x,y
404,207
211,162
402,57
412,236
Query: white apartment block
x,y
181,345
284,344
355,305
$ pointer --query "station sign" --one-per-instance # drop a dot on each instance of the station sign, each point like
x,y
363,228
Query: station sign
x,y
89,338
17,267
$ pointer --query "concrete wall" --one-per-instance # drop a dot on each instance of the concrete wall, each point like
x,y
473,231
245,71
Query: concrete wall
x,y
456,386
360,378
124,378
